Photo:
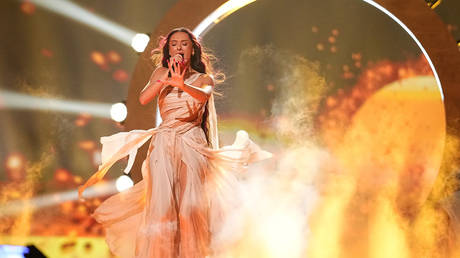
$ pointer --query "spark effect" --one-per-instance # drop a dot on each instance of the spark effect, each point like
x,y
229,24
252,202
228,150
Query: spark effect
x,y
113,57
386,135
21,190
28,8
100,60
278,196
354,175
82,120
46,53
120,75
338,109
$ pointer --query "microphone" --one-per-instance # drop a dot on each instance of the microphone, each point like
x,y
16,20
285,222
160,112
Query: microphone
x,y
179,58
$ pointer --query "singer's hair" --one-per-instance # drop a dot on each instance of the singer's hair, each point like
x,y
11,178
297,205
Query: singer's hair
x,y
201,61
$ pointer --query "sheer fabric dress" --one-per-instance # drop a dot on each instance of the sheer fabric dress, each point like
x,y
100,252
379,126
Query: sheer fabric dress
x,y
186,190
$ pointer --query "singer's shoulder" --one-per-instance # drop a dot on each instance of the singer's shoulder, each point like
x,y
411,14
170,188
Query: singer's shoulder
x,y
161,70
207,79
158,73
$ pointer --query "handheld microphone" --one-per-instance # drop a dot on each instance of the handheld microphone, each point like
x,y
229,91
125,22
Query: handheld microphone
x,y
179,58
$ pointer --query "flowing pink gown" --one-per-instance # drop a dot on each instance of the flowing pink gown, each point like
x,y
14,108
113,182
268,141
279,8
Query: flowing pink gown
x,y
186,189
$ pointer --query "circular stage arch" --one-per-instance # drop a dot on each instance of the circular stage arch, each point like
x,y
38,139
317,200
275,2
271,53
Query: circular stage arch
x,y
423,22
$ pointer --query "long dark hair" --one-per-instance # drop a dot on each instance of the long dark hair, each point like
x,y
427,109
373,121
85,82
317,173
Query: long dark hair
x,y
199,61
196,61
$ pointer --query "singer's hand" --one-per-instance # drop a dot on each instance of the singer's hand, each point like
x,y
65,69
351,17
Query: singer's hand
x,y
176,59
177,76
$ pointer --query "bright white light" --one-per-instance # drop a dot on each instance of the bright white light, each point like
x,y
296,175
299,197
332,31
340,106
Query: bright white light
x,y
11,251
7,255
392,16
219,14
12,208
282,233
10,99
158,117
79,14
123,183
118,112
140,41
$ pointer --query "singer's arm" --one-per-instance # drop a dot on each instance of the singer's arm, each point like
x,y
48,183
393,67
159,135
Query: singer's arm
x,y
153,87
201,92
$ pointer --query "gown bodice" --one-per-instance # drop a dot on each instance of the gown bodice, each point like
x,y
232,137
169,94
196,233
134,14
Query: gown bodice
x,y
179,109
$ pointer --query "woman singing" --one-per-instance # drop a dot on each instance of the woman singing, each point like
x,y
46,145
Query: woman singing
x,y
180,203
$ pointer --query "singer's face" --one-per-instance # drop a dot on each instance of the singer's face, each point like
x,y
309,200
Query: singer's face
x,y
180,43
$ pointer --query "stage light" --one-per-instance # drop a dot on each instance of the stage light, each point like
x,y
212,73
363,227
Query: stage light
x,y
81,15
458,45
13,208
123,182
16,251
13,251
15,161
433,3
118,112
22,101
219,14
140,41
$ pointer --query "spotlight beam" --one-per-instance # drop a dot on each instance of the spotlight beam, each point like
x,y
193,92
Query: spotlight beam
x,y
21,101
71,10
17,207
